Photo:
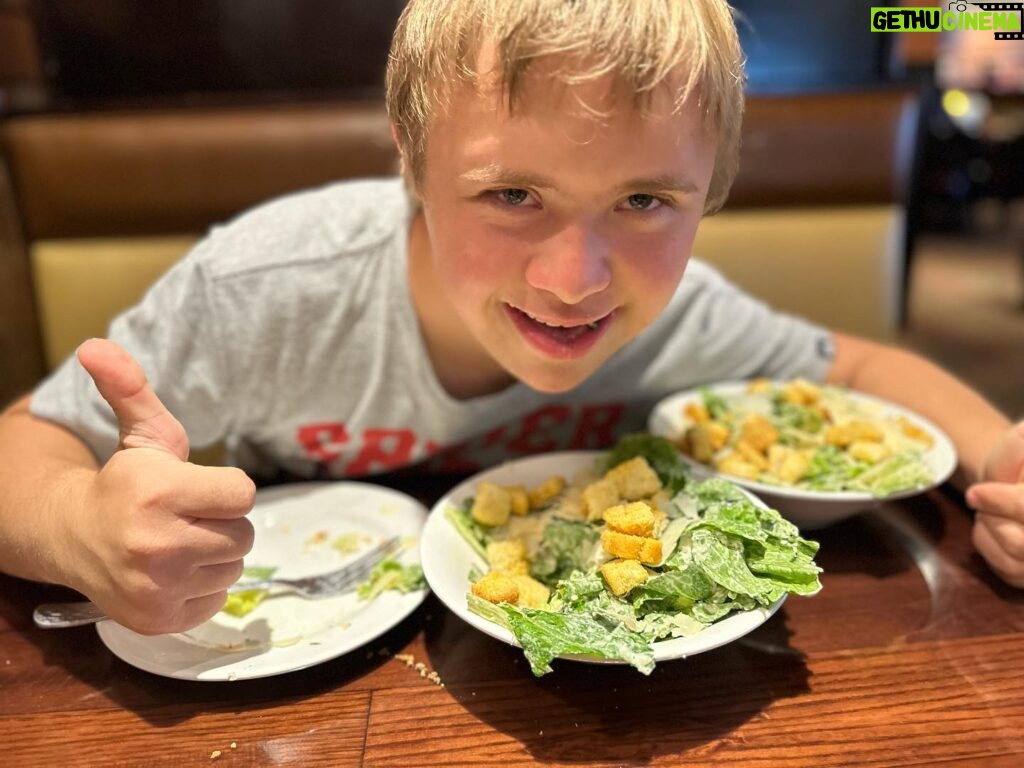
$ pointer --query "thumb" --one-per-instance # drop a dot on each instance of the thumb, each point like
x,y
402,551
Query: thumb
x,y
144,421
1006,462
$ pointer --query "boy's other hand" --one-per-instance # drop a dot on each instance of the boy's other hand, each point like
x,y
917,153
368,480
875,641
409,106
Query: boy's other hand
x,y
156,540
999,502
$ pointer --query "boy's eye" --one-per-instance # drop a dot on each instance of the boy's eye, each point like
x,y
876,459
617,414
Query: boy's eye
x,y
642,202
513,197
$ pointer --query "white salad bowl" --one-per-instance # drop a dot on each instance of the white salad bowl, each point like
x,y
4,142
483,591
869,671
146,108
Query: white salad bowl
x,y
809,510
447,559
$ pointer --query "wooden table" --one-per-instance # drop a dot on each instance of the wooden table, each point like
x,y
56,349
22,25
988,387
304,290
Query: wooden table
x,y
911,655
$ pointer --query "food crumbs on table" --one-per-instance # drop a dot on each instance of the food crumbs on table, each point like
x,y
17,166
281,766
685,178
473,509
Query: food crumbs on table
x,y
420,667
215,754
234,745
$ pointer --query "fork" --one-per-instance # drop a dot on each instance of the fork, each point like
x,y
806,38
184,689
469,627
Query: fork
x,y
59,615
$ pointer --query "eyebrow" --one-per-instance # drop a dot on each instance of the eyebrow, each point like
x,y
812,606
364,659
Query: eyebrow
x,y
496,174
663,183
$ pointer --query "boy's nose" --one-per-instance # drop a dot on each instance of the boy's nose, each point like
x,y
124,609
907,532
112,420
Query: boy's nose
x,y
572,264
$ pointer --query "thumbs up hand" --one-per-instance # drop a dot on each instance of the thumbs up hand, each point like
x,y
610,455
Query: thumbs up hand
x,y
998,499
156,540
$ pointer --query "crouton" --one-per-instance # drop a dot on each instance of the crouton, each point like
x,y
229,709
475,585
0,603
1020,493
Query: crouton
x,y
759,433
787,464
631,547
801,392
718,434
532,594
597,497
508,557
696,412
914,432
734,464
492,504
757,386
635,517
520,499
496,588
695,443
844,434
752,455
634,479
623,576
703,440
546,491
865,450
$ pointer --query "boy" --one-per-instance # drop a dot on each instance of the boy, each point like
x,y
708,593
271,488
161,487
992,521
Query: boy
x,y
562,155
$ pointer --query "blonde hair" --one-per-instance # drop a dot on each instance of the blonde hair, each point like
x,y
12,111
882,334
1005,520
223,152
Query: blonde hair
x,y
689,46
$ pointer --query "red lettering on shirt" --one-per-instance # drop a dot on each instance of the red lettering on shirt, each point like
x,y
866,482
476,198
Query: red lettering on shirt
x,y
453,459
531,433
494,437
322,442
595,428
383,449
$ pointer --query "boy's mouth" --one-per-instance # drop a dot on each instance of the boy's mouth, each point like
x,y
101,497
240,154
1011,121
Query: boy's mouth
x,y
559,340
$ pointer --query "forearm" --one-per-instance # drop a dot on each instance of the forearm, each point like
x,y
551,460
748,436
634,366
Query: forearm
x,y
43,474
972,423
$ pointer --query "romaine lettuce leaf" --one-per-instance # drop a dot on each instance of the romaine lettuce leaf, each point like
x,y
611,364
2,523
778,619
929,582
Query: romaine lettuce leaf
x,y
896,473
722,560
391,574
474,533
242,603
714,491
566,547
545,635
717,405
672,591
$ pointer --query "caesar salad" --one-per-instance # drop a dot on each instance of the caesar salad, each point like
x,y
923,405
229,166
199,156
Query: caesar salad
x,y
629,552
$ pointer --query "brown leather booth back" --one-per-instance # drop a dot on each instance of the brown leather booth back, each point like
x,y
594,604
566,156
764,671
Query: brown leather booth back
x,y
849,148
99,175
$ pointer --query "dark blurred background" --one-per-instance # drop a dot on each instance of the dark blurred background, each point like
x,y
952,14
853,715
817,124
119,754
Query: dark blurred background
x,y
195,109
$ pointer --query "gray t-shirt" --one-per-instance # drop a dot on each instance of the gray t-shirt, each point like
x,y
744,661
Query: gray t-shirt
x,y
290,334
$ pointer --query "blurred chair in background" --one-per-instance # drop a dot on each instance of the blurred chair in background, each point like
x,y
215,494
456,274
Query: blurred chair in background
x,y
968,172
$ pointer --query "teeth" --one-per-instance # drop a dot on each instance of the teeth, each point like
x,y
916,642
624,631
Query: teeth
x,y
590,326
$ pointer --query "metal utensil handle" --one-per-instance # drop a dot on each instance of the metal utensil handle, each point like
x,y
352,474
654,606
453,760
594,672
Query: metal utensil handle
x,y
60,615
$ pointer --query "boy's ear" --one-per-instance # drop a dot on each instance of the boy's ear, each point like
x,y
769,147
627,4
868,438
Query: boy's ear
x,y
402,165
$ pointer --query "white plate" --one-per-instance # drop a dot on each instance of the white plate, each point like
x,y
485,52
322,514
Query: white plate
x,y
296,527
807,509
447,559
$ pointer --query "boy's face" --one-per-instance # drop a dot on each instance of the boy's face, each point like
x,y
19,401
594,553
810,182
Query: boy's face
x,y
555,235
